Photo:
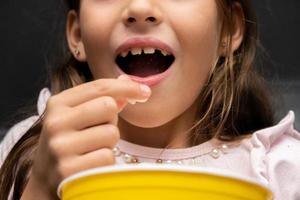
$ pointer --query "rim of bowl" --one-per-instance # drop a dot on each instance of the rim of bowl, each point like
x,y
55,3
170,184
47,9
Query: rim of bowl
x,y
161,167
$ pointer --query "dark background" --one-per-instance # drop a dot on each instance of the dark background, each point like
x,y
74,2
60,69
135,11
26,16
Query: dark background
x,y
28,39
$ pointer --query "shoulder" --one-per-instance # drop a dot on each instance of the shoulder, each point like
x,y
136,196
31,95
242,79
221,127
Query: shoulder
x,y
283,131
18,130
274,156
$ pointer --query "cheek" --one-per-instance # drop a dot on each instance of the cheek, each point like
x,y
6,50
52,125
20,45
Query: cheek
x,y
197,29
95,31
95,23
199,54
199,36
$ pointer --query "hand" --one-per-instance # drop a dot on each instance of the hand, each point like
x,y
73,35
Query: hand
x,y
80,130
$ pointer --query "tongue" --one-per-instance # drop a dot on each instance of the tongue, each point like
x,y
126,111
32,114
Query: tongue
x,y
145,65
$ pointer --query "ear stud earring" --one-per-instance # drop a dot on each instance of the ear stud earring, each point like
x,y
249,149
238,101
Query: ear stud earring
x,y
77,52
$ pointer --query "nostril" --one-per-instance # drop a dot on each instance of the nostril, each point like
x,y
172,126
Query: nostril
x,y
148,19
151,19
131,19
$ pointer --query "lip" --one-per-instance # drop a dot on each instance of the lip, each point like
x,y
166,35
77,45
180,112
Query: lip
x,y
139,42
151,81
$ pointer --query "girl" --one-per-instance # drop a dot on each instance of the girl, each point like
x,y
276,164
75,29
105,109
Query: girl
x,y
186,69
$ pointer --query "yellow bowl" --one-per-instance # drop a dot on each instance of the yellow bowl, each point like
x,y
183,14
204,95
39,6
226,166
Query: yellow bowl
x,y
157,181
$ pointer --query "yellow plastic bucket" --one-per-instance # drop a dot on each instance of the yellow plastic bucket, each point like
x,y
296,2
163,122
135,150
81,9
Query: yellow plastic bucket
x,y
156,181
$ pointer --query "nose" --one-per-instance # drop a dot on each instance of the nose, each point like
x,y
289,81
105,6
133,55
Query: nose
x,y
142,13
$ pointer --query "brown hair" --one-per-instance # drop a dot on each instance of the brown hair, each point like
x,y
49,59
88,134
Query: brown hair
x,y
234,100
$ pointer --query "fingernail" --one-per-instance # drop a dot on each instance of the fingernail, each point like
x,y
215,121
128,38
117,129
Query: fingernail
x,y
145,89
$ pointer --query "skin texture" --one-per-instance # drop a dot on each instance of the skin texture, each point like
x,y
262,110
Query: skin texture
x,y
195,46
190,27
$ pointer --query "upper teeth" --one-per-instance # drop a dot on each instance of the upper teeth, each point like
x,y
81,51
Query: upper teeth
x,y
146,50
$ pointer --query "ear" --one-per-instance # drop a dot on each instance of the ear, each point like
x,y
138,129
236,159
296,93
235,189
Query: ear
x,y
237,31
73,34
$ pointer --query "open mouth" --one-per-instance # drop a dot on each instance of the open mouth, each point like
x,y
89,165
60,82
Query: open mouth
x,y
144,62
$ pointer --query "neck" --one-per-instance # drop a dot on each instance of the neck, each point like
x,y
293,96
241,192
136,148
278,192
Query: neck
x,y
174,134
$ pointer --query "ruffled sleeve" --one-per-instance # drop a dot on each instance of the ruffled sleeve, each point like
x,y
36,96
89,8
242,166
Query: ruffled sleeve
x,y
275,158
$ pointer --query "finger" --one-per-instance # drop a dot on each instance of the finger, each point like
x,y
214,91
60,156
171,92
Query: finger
x,y
94,138
124,77
132,101
118,89
121,104
98,158
98,111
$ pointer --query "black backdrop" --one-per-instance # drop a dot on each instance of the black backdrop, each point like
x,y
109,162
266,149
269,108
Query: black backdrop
x,y
28,39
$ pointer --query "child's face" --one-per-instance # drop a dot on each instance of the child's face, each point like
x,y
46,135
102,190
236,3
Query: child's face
x,y
190,27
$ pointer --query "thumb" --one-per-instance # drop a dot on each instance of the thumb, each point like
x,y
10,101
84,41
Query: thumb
x,y
125,77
